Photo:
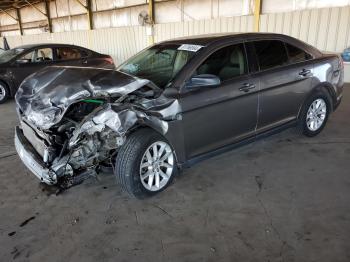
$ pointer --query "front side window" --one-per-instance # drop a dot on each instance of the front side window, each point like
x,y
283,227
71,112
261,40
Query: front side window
x,y
225,63
160,63
67,53
28,58
296,54
270,53
37,55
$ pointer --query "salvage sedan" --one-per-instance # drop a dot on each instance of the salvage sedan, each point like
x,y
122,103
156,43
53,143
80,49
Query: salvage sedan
x,y
170,106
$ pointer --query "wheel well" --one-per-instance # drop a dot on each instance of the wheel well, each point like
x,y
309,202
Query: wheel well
x,y
330,92
326,89
139,126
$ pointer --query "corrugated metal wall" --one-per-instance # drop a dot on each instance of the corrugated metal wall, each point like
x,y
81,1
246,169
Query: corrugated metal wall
x,y
280,6
120,42
123,42
69,15
199,27
327,29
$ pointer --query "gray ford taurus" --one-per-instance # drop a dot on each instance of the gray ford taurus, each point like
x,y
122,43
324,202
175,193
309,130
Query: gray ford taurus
x,y
170,106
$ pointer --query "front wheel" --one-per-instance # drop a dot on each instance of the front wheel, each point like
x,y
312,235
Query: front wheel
x,y
4,93
315,113
145,164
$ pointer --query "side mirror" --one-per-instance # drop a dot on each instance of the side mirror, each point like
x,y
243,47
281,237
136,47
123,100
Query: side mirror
x,y
22,61
203,81
170,92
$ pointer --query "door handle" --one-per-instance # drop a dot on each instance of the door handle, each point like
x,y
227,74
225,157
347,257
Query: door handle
x,y
305,72
246,87
84,61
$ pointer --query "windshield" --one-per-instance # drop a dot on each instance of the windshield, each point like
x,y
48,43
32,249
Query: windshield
x,y
9,54
159,64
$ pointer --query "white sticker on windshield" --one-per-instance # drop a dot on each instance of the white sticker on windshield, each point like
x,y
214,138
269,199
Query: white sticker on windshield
x,y
192,48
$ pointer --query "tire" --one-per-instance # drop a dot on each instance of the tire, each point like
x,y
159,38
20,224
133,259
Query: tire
x,y
132,177
308,124
4,92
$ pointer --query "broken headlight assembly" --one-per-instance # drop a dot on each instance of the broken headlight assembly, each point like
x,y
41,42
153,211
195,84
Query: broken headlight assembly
x,y
44,118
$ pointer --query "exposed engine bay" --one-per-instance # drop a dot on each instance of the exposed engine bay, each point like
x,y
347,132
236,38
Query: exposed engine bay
x,y
76,119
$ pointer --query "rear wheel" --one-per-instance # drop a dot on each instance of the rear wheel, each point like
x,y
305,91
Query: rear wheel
x,y
145,164
314,114
4,92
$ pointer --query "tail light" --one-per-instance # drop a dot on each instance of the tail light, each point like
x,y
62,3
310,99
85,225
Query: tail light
x,y
109,60
341,62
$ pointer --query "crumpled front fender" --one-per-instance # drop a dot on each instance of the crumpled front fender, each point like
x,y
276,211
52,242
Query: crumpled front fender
x,y
118,121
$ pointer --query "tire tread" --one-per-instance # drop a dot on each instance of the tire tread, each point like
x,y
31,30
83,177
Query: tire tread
x,y
127,162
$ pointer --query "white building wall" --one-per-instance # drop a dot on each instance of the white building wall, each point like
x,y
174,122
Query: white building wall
x,y
123,42
274,6
118,42
69,15
326,28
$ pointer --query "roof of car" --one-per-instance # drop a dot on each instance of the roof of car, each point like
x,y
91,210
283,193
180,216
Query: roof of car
x,y
45,44
210,38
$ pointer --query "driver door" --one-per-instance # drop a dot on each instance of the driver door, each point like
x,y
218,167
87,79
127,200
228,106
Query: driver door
x,y
217,116
30,63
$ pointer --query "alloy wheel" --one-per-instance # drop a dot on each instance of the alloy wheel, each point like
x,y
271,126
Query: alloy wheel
x,y
156,166
2,92
316,114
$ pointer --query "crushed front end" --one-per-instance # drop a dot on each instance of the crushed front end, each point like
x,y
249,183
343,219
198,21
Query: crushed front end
x,y
73,120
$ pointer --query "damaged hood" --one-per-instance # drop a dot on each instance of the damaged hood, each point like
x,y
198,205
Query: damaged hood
x,y
44,97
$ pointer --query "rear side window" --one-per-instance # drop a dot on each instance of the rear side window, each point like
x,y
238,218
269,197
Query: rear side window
x,y
296,54
226,63
84,53
67,53
270,53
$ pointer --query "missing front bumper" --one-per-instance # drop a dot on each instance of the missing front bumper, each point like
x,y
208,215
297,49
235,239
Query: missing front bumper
x,y
32,160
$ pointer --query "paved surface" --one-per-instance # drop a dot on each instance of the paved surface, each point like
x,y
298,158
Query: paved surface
x,y
285,198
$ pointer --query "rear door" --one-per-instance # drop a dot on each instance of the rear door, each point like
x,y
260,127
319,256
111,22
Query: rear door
x,y
217,116
31,62
91,59
284,80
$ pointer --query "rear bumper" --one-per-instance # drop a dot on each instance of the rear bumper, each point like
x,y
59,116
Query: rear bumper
x,y
32,159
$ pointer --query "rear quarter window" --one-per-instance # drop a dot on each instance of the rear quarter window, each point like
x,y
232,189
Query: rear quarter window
x,y
84,53
296,54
